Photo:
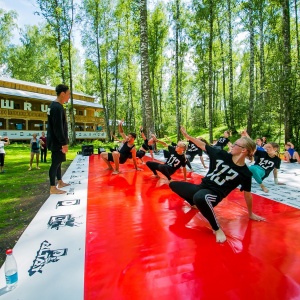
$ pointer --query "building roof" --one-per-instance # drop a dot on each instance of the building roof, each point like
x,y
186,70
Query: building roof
x,y
44,97
38,85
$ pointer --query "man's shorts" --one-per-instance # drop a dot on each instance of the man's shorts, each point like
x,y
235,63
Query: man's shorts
x,y
122,159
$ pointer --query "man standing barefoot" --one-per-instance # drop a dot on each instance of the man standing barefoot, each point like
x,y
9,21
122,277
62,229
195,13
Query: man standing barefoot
x,y
57,136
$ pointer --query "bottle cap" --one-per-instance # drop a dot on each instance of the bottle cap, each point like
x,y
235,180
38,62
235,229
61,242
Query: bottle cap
x,y
9,251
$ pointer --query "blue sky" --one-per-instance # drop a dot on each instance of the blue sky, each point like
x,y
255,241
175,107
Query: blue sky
x,y
25,10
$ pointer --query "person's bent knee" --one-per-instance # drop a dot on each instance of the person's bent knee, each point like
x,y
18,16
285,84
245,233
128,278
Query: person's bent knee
x,y
115,154
104,155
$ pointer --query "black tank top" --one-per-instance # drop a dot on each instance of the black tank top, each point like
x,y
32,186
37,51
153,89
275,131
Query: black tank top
x,y
126,150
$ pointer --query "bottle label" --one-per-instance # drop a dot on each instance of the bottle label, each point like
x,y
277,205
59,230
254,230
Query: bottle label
x,y
11,279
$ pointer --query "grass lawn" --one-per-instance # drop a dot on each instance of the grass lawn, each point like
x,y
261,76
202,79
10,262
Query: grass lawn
x,y
23,192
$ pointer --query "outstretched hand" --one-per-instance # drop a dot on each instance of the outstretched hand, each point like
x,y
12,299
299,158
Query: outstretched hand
x,y
256,217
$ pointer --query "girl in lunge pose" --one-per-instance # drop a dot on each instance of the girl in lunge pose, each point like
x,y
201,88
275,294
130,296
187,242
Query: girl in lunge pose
x,y
126,151
174,162
265,162
192,151
146,146
226,172
223,140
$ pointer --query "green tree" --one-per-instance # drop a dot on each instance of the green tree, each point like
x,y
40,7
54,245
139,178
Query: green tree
x,y
35,59
7,25
158,33
59,15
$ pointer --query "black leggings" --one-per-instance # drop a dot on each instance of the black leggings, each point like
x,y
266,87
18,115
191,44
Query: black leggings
x,y
44,155
204,199
55,169
2,155
163,168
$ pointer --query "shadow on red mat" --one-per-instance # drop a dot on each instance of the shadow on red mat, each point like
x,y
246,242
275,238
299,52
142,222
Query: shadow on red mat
x,y
144,242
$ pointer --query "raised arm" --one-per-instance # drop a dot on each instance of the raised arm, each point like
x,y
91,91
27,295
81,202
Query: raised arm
x,y
167,138
142,133
196,141
245,133
121,131
162,142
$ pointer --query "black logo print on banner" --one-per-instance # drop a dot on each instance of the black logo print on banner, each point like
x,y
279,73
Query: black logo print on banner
x,y
68,203
75,176
71,191
56,222
81,159
80,165
82,171
45,256
75,182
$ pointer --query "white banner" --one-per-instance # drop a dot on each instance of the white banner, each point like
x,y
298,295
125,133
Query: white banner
x,y
50,253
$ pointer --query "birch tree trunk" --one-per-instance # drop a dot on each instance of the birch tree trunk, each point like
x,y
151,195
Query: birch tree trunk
x,y
210,70
145,75
287,101
251,69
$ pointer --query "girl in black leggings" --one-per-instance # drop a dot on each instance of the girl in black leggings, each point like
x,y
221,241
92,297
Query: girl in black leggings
x,y
174,162
226,172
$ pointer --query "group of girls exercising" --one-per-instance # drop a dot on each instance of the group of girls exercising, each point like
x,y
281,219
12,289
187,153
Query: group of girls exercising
x,y
227,170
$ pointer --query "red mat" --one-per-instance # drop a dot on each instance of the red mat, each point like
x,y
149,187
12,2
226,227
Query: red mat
x,y
144,242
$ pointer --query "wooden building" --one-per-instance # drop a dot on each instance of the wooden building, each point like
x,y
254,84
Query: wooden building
x,y
24,105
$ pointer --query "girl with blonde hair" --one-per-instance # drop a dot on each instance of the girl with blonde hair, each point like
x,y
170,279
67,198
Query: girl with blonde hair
x,y
227,170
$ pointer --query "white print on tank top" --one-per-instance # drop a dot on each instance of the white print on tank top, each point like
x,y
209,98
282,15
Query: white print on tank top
x,y
265,163
222,173
222,140
173,161
192,148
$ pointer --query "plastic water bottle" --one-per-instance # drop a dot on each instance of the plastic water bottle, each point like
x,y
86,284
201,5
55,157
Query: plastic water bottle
x,y
11,270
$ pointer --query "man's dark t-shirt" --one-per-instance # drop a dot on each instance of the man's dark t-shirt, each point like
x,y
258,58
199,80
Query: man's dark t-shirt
x,y
57,127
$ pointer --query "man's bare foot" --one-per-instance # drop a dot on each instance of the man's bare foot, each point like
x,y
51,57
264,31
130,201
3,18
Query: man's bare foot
x,y
115,172
192,170
220,236
55,191
62,184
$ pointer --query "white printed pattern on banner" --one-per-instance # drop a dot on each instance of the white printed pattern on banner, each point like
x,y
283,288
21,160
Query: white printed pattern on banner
x,y
50,253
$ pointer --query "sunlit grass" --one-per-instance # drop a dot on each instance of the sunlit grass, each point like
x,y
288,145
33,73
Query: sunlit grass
x,y
22,192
